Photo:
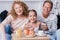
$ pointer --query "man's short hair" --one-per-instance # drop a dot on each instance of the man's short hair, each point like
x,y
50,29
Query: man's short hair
x,y
48,2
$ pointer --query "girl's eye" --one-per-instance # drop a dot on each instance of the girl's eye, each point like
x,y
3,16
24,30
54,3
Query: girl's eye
x,y
34,15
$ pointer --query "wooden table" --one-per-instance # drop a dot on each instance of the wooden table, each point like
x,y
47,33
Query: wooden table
x,y
31,38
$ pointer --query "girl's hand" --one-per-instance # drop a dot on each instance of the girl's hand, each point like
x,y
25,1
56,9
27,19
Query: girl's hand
x,y
26,27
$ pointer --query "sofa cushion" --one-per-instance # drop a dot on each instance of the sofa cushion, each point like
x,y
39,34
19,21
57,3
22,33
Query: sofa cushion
x,y
58,22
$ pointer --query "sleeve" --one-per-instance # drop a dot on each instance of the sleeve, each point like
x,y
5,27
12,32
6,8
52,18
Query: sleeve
x,y
7,20
52,25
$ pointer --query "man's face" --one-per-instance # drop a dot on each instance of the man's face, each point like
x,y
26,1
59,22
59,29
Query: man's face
x,y
46,8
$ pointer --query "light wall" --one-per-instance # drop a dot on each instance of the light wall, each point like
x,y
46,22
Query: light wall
x,y
32,4
37,5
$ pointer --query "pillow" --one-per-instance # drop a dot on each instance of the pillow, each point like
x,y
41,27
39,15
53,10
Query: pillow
x,y
3,15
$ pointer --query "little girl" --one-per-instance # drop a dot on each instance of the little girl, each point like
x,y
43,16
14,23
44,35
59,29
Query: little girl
x,y
33,25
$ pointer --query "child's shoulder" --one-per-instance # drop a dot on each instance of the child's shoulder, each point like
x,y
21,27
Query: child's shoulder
x,y
38,22
27,24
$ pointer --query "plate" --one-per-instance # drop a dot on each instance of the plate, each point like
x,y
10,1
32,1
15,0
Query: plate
x,y
41,34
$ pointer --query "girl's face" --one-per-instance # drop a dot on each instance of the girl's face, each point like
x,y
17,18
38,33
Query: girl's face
x,y
18,9
32,16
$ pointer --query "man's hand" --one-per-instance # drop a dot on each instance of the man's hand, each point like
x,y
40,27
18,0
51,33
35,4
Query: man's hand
x,y
44,26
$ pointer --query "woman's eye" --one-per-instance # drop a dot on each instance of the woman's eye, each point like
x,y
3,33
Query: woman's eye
x,y
30,16
16,8
20,7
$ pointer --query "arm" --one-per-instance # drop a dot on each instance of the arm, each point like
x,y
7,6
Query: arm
x,y
26,27
2,32
52,25
6,21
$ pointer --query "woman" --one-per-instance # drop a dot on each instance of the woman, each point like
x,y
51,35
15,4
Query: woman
x,y
17,18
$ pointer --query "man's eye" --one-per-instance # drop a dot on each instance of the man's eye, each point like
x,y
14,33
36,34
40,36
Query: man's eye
x,y
19,7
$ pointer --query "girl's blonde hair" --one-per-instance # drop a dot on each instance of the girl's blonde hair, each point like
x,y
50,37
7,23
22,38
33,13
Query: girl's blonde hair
x,y
24,6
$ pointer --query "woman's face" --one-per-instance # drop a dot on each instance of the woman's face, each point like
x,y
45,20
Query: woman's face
x,y
18,9
32,17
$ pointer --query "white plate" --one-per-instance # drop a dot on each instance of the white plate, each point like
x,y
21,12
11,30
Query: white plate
x,y
41,34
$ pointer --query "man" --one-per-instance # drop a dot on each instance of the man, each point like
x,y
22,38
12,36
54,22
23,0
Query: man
x,y
48,18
